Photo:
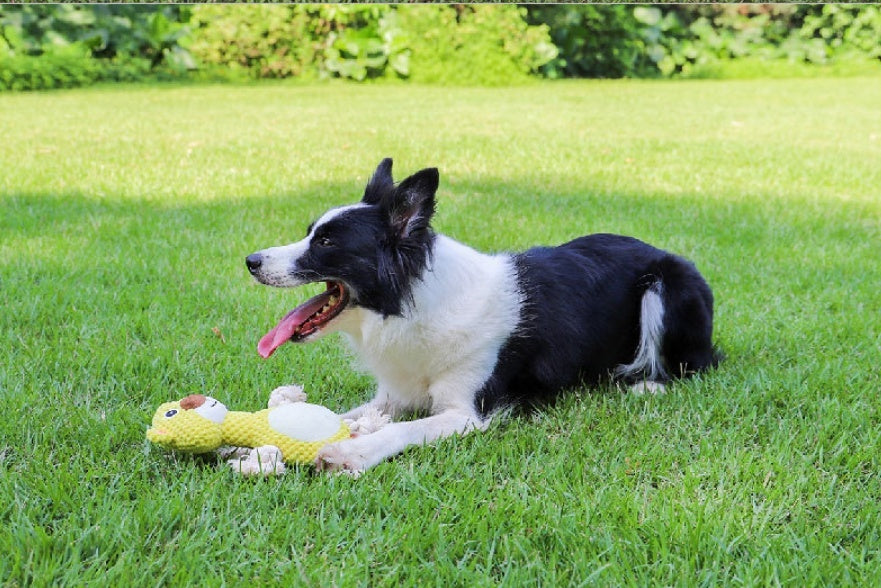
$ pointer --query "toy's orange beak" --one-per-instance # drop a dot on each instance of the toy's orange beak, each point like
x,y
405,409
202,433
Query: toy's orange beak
x,y
154,434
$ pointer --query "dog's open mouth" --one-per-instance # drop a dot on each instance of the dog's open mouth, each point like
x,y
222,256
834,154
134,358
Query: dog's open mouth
x,y
306,319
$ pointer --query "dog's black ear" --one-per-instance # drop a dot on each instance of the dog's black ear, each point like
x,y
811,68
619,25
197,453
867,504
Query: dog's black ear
x,y
412,204
380,184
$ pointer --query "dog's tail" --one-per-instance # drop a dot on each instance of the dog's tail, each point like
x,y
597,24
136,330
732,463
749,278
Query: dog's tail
x,y
648,363
675,324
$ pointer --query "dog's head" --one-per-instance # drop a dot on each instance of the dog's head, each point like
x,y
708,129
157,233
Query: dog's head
x,y
368,254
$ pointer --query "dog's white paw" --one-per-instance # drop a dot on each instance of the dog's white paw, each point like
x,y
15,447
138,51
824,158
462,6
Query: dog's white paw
x,y
286,395
648,387
343,457
265,460
370,421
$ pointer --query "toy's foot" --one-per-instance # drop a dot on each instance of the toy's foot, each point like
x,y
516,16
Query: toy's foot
x,y
648,386
286,395
342,457
370,421
265,461
230,452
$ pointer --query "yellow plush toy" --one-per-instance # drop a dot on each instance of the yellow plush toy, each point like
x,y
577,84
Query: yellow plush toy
x,y
290,430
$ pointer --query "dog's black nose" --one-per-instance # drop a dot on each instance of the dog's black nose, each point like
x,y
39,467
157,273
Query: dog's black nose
x,y
254,261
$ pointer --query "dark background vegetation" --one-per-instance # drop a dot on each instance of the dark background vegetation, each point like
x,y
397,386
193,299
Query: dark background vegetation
x,y
65,45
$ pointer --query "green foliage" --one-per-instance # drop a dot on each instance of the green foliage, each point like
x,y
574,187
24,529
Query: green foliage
x,y
645,41
50,46
269,41
279,41
697,41
371,44
593,41
475,44
60,46
62,67
479,44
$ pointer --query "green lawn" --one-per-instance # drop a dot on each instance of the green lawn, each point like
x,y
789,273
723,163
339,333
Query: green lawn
x,y
125,217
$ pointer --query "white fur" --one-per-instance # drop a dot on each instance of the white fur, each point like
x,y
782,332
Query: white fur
x,y
278,262
648,361
436,357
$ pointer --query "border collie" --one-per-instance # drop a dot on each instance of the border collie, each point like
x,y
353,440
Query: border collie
x,y
460,334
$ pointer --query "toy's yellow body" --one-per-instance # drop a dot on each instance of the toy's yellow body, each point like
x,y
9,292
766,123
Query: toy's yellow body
x,y
199,424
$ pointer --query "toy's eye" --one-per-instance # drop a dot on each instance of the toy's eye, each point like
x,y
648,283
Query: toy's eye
x,y
171,413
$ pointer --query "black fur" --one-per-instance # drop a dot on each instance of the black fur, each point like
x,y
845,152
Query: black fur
x,y
378,250
581,318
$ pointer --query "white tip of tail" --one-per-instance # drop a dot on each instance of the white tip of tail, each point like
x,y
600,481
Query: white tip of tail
x,y
648,363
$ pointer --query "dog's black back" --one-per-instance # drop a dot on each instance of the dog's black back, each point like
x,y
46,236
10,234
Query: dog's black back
x,y
581,318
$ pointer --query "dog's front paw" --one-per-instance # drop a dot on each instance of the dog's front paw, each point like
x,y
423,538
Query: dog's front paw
x,y
343,457
286,395
265,460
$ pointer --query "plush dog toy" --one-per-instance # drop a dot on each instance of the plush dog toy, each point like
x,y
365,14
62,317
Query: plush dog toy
x,y
290,430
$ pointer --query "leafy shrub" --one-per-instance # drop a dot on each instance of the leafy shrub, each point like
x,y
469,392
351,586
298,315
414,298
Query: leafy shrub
x,y
698,40
64,45
61,46
593,41
64,67
268,41
474,44
480,44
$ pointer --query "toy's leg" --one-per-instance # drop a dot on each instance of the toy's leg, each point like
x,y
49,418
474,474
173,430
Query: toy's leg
x,y
353,456
370,421
286,395
265,460
230,452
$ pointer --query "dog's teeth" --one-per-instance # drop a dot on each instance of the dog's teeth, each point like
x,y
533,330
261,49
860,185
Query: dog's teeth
x,y
333,300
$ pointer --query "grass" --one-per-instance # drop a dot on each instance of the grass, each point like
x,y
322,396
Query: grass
x,y
125,215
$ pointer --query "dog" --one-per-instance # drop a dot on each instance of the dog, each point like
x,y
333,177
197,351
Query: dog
x,y
460,335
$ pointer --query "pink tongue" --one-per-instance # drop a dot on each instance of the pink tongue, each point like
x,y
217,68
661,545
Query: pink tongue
x,y
285,329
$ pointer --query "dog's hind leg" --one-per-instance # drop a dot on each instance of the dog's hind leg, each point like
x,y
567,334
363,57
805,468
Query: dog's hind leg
x,y
687,345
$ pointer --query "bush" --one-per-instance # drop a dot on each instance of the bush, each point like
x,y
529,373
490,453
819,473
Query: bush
x,y
593,41
479,44
66,67
268,41
475,44
62,46
698,40
65,45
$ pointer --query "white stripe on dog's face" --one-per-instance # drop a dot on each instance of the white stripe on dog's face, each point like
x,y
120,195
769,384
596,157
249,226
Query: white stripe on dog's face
x,y
333,213
279,264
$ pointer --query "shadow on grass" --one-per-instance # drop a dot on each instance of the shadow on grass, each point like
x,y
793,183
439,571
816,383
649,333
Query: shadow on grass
x,y
153,293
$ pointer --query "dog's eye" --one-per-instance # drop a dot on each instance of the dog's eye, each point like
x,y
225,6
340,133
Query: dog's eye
x,y
323,242
170,413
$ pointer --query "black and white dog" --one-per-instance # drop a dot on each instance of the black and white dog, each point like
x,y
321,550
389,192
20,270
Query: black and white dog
x,y
461,334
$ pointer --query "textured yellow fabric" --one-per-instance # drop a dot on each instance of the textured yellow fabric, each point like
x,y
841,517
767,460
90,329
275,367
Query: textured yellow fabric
x,y
186,430
251,429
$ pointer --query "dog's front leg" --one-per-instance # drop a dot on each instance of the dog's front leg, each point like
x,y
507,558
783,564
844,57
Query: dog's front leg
x,y
353,456
380,402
